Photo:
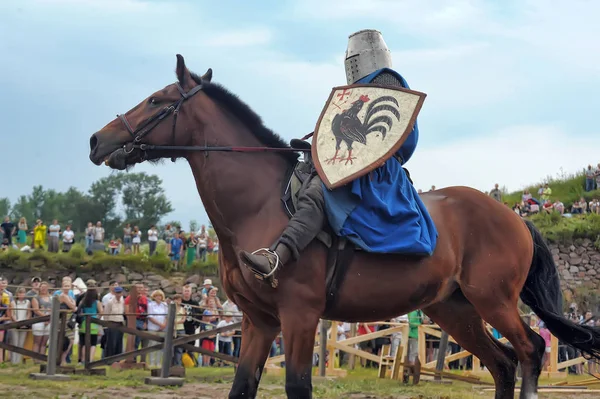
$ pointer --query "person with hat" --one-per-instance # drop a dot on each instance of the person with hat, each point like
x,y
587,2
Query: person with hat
x,y
207,286
114,311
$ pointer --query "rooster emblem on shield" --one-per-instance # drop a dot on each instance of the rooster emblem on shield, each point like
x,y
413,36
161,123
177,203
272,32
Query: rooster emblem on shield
x,y
347,126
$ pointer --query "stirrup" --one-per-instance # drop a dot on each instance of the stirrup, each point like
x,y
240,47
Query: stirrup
x,y
269,276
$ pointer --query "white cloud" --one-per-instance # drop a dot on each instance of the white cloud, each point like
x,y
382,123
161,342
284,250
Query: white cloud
x,y
515,157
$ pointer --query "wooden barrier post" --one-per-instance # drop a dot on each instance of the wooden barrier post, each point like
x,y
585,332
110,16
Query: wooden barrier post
x,y
53,346
352,357
165,379
441,356
323,348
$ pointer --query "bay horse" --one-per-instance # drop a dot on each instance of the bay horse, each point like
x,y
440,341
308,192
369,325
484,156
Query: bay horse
x,y
486,258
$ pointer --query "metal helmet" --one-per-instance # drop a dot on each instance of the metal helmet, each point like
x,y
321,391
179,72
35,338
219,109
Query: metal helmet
x,y
366,53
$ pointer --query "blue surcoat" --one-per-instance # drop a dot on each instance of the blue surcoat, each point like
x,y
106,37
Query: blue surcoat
x,y
381,212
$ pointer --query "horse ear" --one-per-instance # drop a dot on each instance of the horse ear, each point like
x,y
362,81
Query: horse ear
x,y
183,74
207,77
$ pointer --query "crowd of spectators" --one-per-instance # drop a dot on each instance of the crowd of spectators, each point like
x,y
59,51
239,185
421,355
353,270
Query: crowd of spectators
x,y
183,248
197,309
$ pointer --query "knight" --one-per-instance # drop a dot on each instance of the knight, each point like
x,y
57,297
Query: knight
x,y
378,212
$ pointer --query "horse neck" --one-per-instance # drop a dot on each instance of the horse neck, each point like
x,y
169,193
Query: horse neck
x,y
237,189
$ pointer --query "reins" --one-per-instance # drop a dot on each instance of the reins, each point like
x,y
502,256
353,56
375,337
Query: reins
x,y
145,128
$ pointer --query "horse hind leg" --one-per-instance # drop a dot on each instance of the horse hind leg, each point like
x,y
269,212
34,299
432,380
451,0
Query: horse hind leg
x,y
458,317
528,345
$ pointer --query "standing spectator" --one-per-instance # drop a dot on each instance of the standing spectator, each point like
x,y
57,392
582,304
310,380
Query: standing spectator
x,y
212,295
127,236
66,280
136,240
597,173
90,305
41,305
202,239
114,311
111,293
207,286
545,333
3,287
20,310
98,231
192,311
209,321
175,249
180,318
54,233
157,323
226,338
39,234
496,193
22,232
141,311
232,308
546,193
4,316
8,229
590,178
152,239
415,319
168,234
89,237
67,302
190,252
68,238
35,288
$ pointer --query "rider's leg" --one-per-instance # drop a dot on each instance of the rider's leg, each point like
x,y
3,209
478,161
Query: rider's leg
x,y
302,228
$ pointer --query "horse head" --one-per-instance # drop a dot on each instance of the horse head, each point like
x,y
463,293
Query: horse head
x,y
126,140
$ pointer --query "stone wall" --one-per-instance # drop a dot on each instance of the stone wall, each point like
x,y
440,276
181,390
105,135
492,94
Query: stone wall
x,y
170,285
578,264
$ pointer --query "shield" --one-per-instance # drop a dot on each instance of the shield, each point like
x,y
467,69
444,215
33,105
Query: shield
x,y
360,128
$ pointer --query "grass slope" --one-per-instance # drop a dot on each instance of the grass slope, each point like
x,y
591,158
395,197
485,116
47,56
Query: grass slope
x,y
554,227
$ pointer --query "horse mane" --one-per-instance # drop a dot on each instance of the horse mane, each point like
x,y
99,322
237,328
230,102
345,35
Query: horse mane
x,y
246,115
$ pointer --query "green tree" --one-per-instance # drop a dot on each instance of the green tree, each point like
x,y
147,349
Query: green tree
x,y
4,207
144,199
194,225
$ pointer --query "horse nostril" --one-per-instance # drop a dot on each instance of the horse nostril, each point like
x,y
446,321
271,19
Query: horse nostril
x,y
93,143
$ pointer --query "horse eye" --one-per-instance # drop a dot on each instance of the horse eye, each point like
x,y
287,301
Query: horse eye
x,y
153,101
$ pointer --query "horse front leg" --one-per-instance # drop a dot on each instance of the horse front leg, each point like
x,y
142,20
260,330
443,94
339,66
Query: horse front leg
x,y
256,343
299,340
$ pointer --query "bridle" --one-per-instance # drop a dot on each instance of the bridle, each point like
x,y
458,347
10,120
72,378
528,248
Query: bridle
x,y
146,127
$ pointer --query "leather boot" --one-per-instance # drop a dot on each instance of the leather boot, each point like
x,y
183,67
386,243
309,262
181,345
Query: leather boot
x,y
265,262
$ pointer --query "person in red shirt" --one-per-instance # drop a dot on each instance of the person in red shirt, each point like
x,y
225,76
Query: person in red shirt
x,y
141,313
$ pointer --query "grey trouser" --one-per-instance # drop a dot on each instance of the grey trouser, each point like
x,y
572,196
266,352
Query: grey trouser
x,y
52,244
309,218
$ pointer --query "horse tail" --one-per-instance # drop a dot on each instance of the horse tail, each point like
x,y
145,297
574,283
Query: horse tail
x,y
543,295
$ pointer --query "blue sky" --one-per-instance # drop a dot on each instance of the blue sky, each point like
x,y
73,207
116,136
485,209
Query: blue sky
x,y
511,85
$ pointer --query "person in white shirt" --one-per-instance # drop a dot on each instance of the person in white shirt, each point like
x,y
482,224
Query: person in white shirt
x,y
136,240
202,238
68,237
114,310
157,323
226,338
111,293
152,239
20,309
53,236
